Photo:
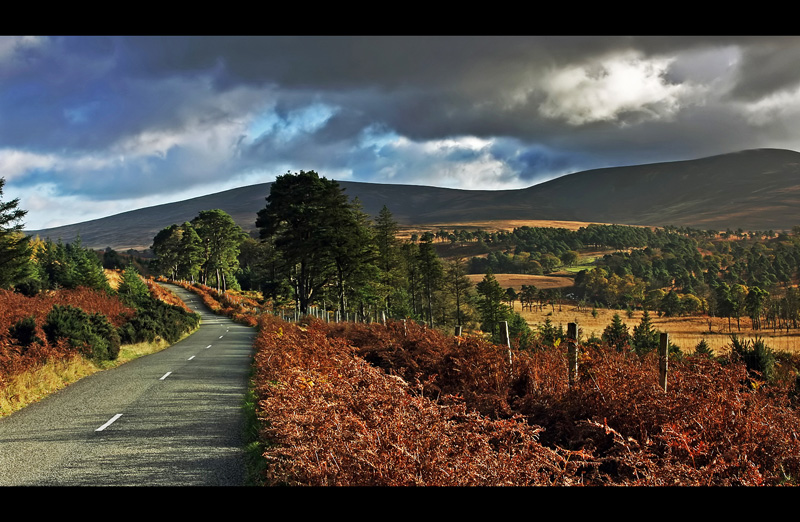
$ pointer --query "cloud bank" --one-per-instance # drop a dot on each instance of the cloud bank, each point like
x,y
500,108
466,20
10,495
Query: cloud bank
x,y
91,126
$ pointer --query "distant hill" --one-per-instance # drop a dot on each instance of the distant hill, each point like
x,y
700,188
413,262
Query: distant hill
x,y
752,189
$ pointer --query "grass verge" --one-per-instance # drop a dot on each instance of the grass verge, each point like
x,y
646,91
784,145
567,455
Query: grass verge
x,y
253,448
36,384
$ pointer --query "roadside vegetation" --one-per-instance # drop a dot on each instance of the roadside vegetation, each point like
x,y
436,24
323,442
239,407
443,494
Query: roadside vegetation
x,y
367,385
60,318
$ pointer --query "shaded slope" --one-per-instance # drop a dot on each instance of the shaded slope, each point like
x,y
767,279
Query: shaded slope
x,y
755,190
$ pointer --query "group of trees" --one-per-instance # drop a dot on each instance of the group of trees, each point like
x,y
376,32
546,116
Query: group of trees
x,y
317,248
30,264
205,249
686,272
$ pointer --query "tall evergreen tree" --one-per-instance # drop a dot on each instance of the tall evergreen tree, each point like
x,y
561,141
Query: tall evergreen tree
x,y
491,305
645,338
459,285
388,256
14,245
315,228
430,271
220,237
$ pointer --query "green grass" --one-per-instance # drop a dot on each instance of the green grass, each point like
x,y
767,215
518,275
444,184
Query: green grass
x,y
576,268
253,448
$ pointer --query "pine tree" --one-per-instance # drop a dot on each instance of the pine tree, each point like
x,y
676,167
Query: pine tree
x,y
491,306
14,245
319,233
644,338
703,348
459,284
431,272
616,334
131,288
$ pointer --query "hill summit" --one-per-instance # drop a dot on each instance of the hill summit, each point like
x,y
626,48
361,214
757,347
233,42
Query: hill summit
x,y
753,189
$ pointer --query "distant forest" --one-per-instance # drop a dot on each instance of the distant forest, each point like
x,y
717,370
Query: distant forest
x,y
318,249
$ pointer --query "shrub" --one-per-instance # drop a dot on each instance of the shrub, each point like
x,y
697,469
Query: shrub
x,y
757,356
159,319
24,331
92,333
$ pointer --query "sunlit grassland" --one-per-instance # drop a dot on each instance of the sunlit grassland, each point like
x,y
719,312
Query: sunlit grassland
x,y
35,384
685,332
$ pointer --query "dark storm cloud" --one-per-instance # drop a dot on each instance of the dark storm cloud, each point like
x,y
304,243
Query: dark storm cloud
x,y
122,117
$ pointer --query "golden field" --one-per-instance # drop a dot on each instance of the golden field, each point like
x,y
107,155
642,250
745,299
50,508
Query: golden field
x,y
516,281
685,332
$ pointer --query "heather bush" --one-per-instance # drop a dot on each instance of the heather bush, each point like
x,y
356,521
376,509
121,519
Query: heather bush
x,y
91,333
157,319
24,332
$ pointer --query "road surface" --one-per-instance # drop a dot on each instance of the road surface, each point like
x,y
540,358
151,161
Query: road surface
x,y
173,418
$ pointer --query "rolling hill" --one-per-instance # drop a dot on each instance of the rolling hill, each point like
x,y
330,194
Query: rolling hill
x,y
753,189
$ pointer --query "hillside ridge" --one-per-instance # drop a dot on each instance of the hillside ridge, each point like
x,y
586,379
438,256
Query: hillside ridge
x,y
756,189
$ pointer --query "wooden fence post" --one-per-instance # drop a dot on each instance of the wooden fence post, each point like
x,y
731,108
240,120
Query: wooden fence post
x,y
504,333
506,340
663,359
572,352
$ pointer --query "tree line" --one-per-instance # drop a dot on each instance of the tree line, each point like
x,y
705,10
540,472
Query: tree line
x,y
317,248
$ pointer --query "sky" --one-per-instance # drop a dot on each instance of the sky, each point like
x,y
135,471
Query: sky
x,y
91,126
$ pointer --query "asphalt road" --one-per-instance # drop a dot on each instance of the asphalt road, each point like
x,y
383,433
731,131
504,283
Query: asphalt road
x,y
173,418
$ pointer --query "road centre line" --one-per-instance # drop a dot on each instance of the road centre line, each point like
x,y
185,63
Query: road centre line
x,y
109,423
190,358
165,376
207,347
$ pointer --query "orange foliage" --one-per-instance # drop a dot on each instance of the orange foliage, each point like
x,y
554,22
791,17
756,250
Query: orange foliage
x,y
14,307
401,404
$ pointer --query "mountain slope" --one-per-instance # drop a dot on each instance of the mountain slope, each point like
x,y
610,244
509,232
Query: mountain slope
x,y
753,190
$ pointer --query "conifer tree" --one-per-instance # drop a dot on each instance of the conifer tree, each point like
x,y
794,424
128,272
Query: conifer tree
x,y
318,233
645,338
459,285
14,245
616,334
430,271
491,305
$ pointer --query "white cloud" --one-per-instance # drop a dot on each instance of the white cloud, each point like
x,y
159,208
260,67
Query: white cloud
x,y
780,107
617,85
460,162
16,164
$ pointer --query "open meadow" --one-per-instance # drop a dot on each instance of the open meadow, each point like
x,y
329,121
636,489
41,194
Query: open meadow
x,y
684,332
